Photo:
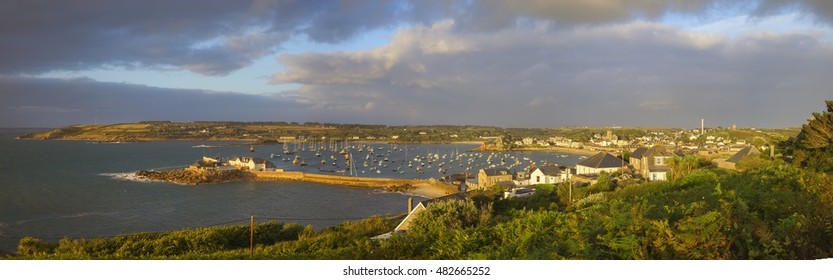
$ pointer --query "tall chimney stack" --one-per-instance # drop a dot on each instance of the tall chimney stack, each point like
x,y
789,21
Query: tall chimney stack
x,y
410,204
702,128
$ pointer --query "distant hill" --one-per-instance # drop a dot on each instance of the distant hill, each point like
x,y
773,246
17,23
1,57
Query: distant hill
x,y
313,131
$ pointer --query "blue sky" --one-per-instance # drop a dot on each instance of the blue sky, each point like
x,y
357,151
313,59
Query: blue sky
x,y
528,64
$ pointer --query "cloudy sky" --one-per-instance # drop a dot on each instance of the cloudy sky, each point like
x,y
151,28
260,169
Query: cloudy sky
x,y
536,63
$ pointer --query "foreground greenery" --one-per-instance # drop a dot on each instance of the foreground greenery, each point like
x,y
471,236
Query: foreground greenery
x,y
770,210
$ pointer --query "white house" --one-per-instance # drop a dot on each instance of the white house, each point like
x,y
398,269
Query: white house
x,y
548,174
255,164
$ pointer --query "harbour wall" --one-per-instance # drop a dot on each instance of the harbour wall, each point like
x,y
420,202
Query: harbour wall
x,y
337,179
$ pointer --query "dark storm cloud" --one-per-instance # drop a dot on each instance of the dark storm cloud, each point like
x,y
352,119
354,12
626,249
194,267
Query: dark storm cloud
x,y
821,9
35,102
508,63
629,74
214,37
203,36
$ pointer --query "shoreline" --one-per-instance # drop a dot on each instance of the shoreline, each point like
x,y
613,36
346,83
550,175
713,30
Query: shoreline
x,y
574,151
430,188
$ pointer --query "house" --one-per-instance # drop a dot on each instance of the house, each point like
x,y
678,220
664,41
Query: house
x,y
254,164
405,224
206,163
491,176
548,174
745,153
652,163
602,161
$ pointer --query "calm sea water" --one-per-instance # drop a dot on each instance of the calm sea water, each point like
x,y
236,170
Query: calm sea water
x,y
55,189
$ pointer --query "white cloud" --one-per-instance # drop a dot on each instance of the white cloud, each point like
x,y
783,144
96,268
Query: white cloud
x,y
522,77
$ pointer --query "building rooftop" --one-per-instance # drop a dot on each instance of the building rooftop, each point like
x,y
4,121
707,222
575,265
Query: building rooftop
x,y
639,152
744,153
550,170
496,171
602,160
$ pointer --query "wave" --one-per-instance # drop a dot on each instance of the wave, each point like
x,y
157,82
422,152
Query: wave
x,y
126,176
204,146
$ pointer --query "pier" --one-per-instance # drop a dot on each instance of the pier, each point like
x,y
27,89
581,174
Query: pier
x,y
344,180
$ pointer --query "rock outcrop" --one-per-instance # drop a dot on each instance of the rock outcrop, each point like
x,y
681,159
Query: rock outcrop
x,y
194,177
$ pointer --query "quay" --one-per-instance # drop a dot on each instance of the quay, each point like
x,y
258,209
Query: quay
x,y
345,180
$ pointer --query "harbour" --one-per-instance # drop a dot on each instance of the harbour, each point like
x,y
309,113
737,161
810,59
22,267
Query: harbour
x,y
76,189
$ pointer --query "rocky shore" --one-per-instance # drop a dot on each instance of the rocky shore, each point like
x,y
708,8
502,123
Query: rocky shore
x,y
194,177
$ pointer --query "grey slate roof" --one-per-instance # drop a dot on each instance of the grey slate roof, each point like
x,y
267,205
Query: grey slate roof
x,y
744,153
639,152
602,160
497,171
657,151
550,170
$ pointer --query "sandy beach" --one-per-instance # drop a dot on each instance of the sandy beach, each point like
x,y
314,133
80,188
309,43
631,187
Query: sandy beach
x,y
432,190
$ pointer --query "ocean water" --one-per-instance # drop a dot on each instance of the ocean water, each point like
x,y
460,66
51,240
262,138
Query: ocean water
x,y
54,189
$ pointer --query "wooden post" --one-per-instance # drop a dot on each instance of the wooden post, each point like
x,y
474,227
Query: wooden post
x,y
252,238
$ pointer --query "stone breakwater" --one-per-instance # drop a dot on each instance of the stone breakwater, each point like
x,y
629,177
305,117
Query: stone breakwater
x,y
195,177
337,180
422,187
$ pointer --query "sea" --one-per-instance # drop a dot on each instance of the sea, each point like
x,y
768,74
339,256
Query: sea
x,y
55,189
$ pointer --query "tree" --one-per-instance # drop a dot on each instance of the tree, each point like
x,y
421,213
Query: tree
x,y
814,147
682,166
818,132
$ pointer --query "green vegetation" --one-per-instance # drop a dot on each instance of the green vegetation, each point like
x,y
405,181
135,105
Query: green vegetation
x,y
769,209
774,211
813,147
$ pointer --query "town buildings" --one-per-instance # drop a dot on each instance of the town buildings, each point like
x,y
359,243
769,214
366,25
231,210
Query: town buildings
x,y
253,164
492,176
652,163
602,161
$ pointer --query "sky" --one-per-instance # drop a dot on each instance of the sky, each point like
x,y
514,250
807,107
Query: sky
x,y
536,63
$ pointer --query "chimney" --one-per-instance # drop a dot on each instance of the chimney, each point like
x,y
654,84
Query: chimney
x,y
702,123
410,204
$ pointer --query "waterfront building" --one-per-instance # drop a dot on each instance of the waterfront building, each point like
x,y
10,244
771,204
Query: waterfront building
x,y
548,174
492,176
254,164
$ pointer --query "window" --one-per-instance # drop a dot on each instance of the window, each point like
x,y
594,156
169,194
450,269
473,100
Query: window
x,y
659,161
538,179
